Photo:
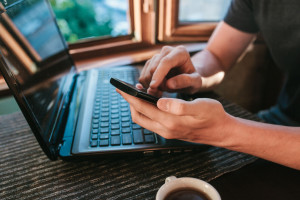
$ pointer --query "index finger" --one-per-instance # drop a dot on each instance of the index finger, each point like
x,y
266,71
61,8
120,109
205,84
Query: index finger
x,y
175,58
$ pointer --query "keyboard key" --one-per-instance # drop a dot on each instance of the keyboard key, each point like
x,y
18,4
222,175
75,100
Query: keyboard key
x,y
94,136
104,114
115,116
104,130
136,126
104,136
124,109
124,105
115,121
105,105
126,130
115,132
115,126
114,106
103,143
125,124
115,140
138,137
104,119
96,116
125,119
95,131
104,124
105,109
95,126
125,114
149,138
126,139
114,111
146,131
94,143
115,101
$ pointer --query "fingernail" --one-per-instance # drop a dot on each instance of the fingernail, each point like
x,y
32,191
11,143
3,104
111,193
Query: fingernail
x,y
164,105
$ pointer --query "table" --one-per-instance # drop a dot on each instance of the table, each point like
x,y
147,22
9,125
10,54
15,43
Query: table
x,y
26,173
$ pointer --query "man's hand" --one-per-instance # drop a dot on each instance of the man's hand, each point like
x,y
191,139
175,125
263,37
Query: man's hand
x,y
171,70
200,121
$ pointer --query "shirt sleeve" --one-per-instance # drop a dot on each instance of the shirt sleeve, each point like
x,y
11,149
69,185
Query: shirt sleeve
x,y
241,16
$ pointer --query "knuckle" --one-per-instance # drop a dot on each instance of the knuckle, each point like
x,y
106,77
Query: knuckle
x,y
179,109
166,49
165,60
156,56
182,50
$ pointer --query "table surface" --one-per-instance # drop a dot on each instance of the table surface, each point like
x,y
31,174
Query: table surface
x,y
26,173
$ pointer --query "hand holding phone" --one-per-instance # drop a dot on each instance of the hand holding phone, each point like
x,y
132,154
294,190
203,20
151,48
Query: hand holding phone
x,y
133,91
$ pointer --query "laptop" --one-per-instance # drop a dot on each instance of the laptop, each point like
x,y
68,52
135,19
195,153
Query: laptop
x,y
71,114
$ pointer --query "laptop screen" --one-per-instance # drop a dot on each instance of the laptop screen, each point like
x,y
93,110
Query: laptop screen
x,y
36,59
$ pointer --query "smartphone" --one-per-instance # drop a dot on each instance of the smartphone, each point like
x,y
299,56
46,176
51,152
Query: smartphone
x,y
132,90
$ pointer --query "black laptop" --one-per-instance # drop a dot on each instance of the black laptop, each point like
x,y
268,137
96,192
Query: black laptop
x,y
71,114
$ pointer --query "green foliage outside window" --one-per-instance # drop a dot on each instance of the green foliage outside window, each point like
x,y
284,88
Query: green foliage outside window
x,y
77,20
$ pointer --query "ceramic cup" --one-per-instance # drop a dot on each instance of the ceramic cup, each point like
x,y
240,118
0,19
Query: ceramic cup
x,y
173,186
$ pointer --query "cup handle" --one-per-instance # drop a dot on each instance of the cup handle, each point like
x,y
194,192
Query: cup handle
x,y
170,178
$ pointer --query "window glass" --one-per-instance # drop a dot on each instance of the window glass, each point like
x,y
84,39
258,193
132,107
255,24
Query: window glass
x,y
81,19
202,10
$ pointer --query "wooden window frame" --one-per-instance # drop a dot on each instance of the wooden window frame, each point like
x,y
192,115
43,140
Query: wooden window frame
x,y
170,30
141,36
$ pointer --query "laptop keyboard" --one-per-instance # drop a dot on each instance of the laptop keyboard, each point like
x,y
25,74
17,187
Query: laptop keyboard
x,y
111,122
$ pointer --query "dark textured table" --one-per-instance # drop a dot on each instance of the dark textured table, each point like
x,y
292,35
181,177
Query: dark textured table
x,y
26,173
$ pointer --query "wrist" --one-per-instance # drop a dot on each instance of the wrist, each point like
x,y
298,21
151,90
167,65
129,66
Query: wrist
x,y
229,130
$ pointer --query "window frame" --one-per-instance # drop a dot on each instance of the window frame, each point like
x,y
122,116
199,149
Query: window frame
x,y
147,17
140,37
171,30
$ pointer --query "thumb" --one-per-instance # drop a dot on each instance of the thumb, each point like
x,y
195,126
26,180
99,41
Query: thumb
x,y
184,81
181,107
174,106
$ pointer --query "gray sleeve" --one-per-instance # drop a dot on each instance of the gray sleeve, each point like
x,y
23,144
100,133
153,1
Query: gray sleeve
x,y
241,16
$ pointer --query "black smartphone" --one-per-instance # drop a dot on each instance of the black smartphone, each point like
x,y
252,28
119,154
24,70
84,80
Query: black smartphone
x,y
132,90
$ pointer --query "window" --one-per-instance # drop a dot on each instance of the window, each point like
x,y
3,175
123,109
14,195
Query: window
x,y
86,19
96,28
191,11
189,20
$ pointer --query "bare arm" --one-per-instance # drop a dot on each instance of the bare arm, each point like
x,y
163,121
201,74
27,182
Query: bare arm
x,y
205,121
224,48
280,144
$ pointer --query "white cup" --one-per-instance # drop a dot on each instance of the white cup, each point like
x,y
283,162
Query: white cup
x,y
176,184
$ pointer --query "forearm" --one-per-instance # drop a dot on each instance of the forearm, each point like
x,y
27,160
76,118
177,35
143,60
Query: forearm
x,y
223,49
209,67
279,144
